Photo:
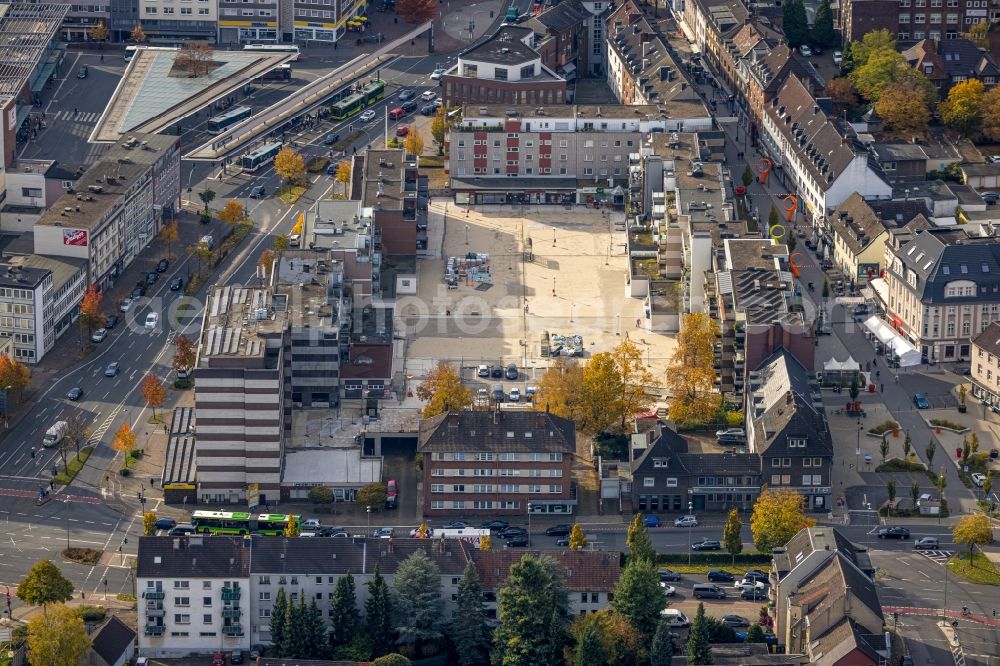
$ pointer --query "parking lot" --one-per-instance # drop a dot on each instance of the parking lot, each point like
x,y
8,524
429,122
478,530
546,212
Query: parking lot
x,y
549,269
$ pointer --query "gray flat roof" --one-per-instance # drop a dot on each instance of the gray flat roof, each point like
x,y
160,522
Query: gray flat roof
x,y
330,466
26,33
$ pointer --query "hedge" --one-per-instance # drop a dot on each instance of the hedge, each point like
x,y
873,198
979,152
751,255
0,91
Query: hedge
x,y
718,558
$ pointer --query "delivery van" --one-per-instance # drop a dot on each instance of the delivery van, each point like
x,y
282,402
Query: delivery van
x,y
55,434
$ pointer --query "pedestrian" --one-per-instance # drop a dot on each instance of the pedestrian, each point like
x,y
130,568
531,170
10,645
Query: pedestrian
x,y
102,57
151,482
897,379
75,112
881,388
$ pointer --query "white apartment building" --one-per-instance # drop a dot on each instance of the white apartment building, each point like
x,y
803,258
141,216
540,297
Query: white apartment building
x,y
201,594
986,366
39,298
813,157
242,22
116,208
239,374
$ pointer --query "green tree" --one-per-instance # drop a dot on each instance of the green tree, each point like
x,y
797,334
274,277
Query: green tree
x,y
903,109
941,481
794,23
589,650
883,448
296,640
392,659
278,614
316,633
699,649
855,390
639,598
321,495
44,585
915,493
691,373
974,442
890,488
718,632
57,636
372,495
748,177
621,643
469,631
873,41
822,30
963,109
420,605
532,604
637,538
378,614
207,197
778,514
661,652
577,539
731,539
149,524
826,288
615,385
907,446
755,634
772,217
929,452
344,616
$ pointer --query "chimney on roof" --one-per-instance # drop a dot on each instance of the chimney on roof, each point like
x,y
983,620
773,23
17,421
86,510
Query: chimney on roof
x,y
496,414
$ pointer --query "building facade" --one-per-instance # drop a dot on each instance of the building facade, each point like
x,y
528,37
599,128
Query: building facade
x,y
173,21
81,19
239,373
911,19
499,463
324,22
944,288
253,22
117,207
985,368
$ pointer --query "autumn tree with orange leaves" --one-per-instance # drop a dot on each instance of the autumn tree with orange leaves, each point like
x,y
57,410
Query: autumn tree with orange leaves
x,y
91,316
153,392
417,11
124,442
184,356
14,375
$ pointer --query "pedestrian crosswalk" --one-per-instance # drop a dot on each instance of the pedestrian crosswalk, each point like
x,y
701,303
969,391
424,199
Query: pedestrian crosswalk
x,y
939,556
82,117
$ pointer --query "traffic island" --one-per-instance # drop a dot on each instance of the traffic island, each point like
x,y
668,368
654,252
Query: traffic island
x,y
88,556
976,569
66,476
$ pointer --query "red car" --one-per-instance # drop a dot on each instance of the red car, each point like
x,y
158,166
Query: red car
x,y
402,131
218,659
391,489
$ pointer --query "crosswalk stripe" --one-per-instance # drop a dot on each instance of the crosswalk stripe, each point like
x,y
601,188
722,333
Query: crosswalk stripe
x,y
938,556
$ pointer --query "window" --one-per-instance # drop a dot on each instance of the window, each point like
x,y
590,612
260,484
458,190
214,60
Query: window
x,y
182,601
437,504
672,482
182,618
500,74
648,482
206,601
182,584
206,618
265,596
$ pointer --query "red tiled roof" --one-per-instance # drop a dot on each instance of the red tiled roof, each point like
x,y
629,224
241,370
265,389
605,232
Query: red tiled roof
x,y
584,570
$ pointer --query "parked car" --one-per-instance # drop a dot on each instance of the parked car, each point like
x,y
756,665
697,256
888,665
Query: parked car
x,y
428,95
101,333
74,394
182,529
456,525
703,590
562,542
402,130
559,530
731,436
437,74
994,453
152,278
744,585
112,369
162,266
668,590
720,576
894,533
511,371
652,521
514,395
218,659
165,523
990,197
805,50
236,657
686,521
756,594
428,109
920,400
495,525
668,575
496,371
383,533
735,621
483,371
311,524
138,292
838,57
83,72
706,544
126,305
177,284
367,116
519,541
513,532
110,321
926,543
978,478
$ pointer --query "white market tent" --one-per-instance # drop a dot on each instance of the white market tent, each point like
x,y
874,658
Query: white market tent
x,y
833,365
907,353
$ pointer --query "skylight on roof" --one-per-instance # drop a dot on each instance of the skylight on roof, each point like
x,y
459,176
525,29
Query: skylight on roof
x,y
909,252
919,257
928,265
986,268
946,270
964,268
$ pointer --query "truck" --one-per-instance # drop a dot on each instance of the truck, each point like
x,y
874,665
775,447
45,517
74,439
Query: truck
x,y
55,434
513,14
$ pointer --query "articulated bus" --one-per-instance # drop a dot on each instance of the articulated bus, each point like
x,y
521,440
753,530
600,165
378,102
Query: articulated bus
x,y
274,48
282,72
373,91
261,156
362,96
223,122
240,522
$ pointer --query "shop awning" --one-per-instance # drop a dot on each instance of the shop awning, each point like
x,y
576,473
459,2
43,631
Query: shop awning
x,y
901,347
879,290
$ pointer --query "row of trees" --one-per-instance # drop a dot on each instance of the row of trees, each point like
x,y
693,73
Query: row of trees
x,y
796,25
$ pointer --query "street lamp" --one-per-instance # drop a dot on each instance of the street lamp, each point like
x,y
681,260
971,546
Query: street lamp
x,y
690,509
466,234
368,510
529,524
857,451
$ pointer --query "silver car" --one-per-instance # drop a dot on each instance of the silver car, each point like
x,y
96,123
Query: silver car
x,y
926,543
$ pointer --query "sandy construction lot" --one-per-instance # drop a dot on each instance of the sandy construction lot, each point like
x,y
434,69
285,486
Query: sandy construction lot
x,y
574,284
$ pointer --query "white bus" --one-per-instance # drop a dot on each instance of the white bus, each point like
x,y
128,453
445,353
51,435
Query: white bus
x,y
130,52
263,155
275,48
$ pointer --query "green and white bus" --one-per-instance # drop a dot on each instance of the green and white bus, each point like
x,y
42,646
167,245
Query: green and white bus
x,y
239,522
261,156
373,91
347,107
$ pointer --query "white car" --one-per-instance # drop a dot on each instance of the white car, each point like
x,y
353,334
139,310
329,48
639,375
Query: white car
x,y
668,590
311,524
838,57
515,396
428,95
686,521
978,478
101,333
367,115
805,50
748,584
126,305
437,74
152,319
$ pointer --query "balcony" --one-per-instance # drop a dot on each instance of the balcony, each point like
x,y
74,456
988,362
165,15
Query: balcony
x,y
233,630
155,611
231,613
155,629
230,594
159,595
